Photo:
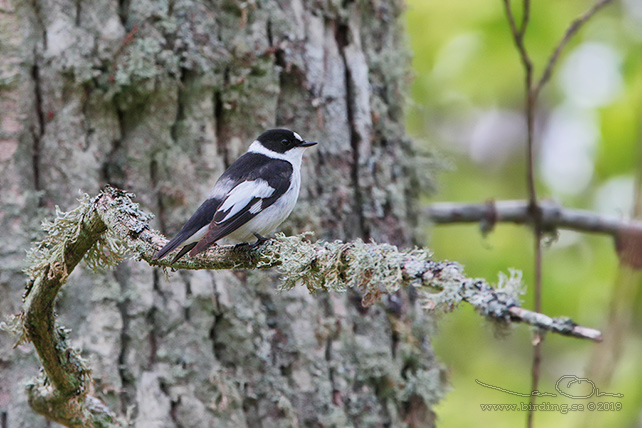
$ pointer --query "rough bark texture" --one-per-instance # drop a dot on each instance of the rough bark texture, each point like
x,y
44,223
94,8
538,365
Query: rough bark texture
x,y
158,98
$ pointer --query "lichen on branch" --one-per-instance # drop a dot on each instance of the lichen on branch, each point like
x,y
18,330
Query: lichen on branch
x,y
106,229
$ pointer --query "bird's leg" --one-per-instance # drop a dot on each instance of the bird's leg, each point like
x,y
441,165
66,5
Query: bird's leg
x,y
260,240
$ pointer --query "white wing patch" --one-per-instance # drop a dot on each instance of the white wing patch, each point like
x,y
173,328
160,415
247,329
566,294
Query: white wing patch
x,y
222,186
256,207
240,196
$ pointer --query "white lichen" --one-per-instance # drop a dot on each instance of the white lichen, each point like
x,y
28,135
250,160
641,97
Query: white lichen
x,y
106,252
14,326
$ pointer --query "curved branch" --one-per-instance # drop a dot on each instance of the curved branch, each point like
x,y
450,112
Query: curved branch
x,y
102,230
62,395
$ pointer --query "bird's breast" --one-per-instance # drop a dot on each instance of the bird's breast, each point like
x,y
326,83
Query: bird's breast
x,y
271,217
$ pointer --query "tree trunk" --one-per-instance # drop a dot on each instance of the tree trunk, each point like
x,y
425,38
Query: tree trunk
x,y
158,98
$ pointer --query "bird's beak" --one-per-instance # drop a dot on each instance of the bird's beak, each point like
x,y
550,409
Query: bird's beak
x,y
308,144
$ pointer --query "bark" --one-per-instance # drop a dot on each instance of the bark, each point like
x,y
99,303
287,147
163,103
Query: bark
x,y
158,98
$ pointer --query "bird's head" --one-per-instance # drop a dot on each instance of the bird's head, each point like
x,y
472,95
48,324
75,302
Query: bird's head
x,y
283,141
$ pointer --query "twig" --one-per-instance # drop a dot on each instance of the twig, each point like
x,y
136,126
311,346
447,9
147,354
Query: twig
x,y
525,16
553,216
559,325
570,32
532,94
518,33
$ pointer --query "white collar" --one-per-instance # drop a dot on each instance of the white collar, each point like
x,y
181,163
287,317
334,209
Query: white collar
x,y
294,156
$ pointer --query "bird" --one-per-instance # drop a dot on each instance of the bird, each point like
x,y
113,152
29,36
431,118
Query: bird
x,y
250,199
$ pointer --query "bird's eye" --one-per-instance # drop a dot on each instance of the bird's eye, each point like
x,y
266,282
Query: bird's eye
x,y
285,142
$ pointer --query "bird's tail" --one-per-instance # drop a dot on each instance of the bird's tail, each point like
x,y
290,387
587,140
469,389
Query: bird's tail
x,y
170,246
182,252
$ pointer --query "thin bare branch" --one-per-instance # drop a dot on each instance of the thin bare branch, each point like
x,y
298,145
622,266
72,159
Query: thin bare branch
x,y
518,34
559,325
526,15
553,216
570,32
532,94
529,111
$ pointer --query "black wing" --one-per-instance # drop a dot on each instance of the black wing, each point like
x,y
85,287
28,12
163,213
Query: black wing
x,y
246,200
201,218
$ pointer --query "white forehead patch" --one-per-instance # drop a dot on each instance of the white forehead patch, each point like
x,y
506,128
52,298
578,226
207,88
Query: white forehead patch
x,y
297,136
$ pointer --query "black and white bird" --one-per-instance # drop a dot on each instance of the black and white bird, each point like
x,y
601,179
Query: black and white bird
x,y
252,197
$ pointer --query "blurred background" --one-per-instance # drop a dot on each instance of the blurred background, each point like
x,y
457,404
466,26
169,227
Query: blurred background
x,y
467,102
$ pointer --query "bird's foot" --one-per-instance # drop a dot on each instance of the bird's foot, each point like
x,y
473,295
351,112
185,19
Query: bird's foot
x,y
260,240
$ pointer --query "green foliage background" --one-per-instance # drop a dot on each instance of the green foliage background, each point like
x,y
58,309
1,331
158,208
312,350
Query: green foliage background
x,y
465,62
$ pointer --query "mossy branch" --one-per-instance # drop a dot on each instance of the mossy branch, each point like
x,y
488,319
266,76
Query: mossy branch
x,y
61,394
106,229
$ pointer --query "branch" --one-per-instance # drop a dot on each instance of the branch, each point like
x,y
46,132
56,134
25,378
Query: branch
x,y
518,35
564,326
109,227
570,32
532,94
61,396
552,215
